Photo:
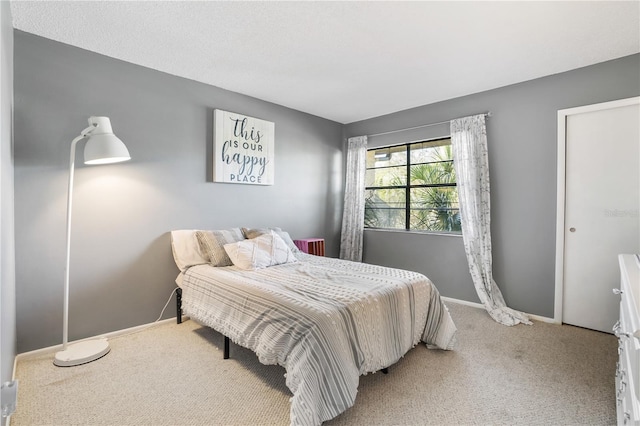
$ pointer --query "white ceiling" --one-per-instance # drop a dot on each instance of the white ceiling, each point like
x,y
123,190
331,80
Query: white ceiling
x,y
346,60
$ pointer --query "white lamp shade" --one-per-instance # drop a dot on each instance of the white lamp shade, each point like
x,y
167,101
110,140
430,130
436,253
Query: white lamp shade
x,y
102,145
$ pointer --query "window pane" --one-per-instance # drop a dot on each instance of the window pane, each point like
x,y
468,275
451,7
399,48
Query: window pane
x,y
426,152
385,157
387,166
385,208
386,176
435,209
432,163
433,173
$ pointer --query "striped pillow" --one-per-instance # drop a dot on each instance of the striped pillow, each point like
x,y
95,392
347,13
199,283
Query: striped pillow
x,y
212,245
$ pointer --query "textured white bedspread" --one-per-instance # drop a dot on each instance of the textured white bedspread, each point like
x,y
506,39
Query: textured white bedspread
x,y
327,321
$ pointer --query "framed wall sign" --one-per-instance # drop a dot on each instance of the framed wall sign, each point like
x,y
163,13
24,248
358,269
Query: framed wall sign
x,y
243,149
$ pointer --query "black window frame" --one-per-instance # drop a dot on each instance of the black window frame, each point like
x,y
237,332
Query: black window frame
x,y
408,186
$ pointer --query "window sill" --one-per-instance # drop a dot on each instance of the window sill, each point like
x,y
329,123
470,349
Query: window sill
x,y
411,231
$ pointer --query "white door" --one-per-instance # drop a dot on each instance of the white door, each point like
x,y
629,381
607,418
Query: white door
x,y
601,208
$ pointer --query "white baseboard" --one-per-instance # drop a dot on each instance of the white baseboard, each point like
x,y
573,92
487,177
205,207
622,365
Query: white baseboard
x,y
111,334
462,302
480,306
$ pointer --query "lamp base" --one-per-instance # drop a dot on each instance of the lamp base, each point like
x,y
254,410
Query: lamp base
x,y
82,352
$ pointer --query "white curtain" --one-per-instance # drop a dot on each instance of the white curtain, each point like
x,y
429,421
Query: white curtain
x,y
471,161
353,213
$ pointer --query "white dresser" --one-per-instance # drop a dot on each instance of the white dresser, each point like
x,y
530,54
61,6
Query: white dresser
x,y
627,330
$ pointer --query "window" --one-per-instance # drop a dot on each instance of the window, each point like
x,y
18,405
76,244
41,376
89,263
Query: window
x,y
413,187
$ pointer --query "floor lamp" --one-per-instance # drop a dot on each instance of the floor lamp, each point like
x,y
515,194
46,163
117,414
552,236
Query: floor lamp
x,y
102,147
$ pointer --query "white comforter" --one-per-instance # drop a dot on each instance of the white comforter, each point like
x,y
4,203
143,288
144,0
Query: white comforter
x,y
327,321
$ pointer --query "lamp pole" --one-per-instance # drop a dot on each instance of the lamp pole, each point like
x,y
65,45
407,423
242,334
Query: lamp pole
x,y
72,160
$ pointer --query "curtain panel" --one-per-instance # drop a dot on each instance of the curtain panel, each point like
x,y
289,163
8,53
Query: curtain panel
x,y
353,213
471,161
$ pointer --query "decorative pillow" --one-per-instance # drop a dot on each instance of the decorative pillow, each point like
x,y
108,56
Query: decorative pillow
x,y
260,252
253,233
185,248
212,245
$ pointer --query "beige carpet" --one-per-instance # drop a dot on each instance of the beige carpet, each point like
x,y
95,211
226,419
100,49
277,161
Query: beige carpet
x,y
175,375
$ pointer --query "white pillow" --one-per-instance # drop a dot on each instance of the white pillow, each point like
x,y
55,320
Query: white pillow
x,y
185,248
261,252
253,233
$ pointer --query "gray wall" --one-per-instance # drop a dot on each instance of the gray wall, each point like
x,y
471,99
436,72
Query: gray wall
x,y
7,245
122,271
522,155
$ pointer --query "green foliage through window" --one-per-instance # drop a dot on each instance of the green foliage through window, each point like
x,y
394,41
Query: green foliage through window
x,y
412,186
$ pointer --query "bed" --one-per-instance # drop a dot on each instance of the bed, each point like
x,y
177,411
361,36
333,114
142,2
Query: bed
x,y
326,321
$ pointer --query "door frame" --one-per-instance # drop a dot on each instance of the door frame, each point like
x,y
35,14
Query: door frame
x,y
561,195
